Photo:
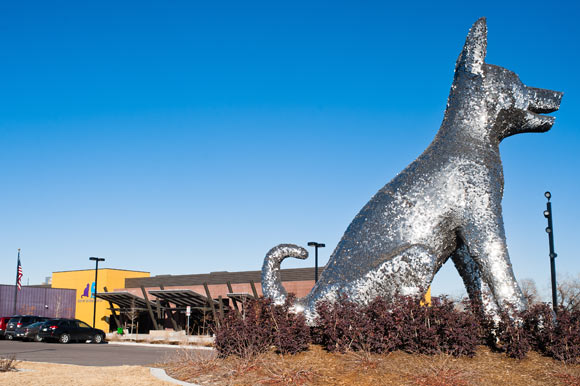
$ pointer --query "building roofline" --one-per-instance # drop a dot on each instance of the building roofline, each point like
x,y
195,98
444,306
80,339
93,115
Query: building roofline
x,y
221,277
102,269
38,286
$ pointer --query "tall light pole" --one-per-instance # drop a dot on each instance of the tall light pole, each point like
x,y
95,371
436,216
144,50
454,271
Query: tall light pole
x,y
316,246
96,260
550,232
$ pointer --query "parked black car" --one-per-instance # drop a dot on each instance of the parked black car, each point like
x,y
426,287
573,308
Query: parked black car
x,y
20,321
30,332
66,330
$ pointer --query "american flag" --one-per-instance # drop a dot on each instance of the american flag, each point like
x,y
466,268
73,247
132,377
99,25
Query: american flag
x,y
19,273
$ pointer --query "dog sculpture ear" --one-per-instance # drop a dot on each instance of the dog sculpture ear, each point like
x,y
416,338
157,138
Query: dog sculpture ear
x,y
473,54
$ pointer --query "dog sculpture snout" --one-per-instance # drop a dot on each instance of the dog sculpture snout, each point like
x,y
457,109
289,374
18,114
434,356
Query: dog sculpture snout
x,y
542,101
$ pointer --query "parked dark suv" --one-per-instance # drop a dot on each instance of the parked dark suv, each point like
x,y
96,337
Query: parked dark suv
x,y
3,323
66,330
30,332
20,321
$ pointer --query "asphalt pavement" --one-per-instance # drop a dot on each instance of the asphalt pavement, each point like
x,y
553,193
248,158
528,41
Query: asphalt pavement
x,y
87,354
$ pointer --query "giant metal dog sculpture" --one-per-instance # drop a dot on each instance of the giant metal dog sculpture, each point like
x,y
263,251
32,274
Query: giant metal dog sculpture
x,y
447,203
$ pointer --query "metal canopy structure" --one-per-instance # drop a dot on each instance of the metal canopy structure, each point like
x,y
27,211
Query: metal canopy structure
x,y
182,298
125,300
240,296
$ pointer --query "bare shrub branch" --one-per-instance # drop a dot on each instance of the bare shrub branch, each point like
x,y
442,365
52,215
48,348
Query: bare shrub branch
x,y
530,291
8,364
568,290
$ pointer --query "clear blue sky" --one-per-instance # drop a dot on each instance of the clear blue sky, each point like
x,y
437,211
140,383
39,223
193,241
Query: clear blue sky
x,y
188,137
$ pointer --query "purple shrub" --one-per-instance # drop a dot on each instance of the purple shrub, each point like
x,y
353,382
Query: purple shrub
x,y
259,327
562,340
341,326
438,328
247,334
455,329
554,334
538,328
484,324
290,333
508,332
400,324
539,323
386,326
512,337
419,332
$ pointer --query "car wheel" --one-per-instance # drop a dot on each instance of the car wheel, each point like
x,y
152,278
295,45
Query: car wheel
x,y
64,338
9,337
98,338
37,338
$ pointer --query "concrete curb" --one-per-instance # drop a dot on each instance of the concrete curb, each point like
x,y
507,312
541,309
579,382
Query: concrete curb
x,y
187,347
162,375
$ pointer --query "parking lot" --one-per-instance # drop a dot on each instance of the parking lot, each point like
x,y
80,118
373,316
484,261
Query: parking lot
x,y
86,354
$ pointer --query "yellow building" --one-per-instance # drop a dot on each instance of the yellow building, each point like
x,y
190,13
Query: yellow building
x,y
83,281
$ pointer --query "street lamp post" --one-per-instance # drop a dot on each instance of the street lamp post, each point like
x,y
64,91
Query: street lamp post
x,y
316,246
96,260
550,232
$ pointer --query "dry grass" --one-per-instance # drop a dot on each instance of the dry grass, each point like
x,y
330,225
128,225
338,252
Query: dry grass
x,y
568,379
52,374
318,367
191,364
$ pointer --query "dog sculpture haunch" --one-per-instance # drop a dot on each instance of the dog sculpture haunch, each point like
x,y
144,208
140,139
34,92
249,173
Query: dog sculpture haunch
x,y
446,204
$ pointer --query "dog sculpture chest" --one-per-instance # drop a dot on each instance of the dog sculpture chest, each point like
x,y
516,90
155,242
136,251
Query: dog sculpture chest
x,y
446,204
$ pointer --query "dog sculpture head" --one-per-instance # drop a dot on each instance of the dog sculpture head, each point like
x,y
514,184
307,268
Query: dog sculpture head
x,y
506,105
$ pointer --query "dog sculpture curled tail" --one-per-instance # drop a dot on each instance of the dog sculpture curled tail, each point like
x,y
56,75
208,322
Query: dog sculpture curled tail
x,y
446,204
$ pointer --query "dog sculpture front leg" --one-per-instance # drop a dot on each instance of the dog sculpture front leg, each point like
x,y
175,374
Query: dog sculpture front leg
x,y
485,239
477,289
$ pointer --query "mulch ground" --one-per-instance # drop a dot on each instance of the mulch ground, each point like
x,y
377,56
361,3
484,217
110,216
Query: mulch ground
x,y
318,367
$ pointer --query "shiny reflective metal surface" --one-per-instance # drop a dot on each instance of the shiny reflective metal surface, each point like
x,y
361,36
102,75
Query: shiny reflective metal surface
x,y
447,203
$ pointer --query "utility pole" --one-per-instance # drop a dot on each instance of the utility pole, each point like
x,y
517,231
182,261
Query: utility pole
x,y
316,246
96,260
550,232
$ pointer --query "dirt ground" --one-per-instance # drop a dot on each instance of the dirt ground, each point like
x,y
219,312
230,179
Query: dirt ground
x,y
64,375
314,367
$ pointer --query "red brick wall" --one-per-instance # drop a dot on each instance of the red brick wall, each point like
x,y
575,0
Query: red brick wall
x,y
299,288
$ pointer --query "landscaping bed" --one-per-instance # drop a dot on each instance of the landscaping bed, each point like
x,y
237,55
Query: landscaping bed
x,y
319,367
399,341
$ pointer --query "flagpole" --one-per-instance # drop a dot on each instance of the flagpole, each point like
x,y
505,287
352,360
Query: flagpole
x,y
16,283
